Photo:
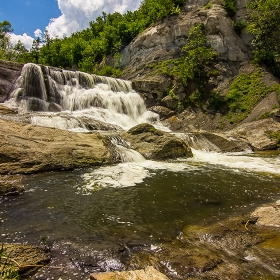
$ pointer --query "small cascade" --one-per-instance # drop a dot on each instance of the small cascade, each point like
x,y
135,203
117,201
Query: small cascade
x,y
198,142
122,150
103,99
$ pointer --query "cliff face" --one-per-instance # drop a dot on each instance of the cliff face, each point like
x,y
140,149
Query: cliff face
x,y
164,41
9,72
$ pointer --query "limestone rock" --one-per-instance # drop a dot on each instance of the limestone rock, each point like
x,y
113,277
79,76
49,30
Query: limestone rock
x,y
155,144
149,273
26,148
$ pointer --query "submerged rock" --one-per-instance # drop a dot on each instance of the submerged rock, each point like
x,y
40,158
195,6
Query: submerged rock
x,y
22,258
155,144
26,148
11,185
149,273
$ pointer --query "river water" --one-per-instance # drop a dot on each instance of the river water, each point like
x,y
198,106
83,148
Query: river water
x,y
137,201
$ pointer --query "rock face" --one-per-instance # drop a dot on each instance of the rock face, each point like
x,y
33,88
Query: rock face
x,y
149,273
155,144
163,41
9,72
26,148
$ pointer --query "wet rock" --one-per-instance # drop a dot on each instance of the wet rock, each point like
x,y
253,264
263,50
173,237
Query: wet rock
x,y
155,144
149,273
26,148
25,257
7,111
11,185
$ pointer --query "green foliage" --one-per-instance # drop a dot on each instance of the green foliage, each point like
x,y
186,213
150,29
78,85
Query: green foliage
x,y
230,6
194,64
244,93
239,26
7,268
264,24
109,71
274,135
208,6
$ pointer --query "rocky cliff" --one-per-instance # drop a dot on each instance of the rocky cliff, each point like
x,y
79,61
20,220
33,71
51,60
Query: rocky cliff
x,y
164,41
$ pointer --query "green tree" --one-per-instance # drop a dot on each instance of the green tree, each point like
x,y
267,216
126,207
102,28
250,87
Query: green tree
x,y
264,24
35,49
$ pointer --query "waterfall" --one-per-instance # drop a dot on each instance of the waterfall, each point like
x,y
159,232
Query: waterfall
x,y
80,95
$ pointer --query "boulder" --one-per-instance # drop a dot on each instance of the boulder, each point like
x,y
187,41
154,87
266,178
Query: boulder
x,y
155,144
26,148
268,215
149,273
257,133
162,111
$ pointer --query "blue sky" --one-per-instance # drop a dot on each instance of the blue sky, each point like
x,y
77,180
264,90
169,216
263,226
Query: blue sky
x,y
30,18
28,15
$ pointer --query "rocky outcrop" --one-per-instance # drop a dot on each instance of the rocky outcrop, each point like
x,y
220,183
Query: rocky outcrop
x,y
163,41
9,72
26,148
257,133
149,273
155,144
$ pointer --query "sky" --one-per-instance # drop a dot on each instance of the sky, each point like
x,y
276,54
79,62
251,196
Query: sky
x,y
30,18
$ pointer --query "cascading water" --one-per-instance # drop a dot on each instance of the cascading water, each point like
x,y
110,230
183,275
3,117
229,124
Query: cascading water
x,y
83,98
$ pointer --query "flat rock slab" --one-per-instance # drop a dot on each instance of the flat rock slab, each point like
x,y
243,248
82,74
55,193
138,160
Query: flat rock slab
x,y
148,273
26,148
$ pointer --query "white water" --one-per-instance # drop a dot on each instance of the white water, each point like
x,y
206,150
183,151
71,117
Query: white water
x,y
78,95
128,174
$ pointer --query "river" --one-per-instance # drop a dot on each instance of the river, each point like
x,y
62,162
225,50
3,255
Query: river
x,y
90,212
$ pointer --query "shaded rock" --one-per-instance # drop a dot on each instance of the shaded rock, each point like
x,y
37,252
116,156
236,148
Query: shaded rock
x,y
9,72
11,185
26,148
155,144
6,110
169,102
162,111
149,273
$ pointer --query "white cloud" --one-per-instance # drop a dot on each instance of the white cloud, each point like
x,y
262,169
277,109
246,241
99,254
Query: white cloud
x,y
25,39
76,14
38,33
